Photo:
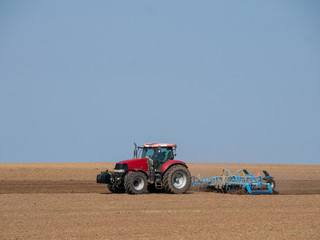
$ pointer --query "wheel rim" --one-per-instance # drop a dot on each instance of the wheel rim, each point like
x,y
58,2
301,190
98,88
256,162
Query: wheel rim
x,y
138,183
179,179
272,184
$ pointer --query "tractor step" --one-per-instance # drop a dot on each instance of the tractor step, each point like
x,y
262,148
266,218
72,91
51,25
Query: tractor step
x,y
158,182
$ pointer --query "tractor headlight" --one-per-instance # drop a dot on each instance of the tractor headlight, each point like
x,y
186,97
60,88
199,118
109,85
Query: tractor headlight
x,y
119,170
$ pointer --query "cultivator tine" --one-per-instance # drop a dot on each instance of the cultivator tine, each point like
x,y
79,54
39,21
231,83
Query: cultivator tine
x,y
270,188
248,189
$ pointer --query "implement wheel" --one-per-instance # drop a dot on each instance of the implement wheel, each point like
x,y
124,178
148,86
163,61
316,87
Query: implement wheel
x,y
177,179
135,183
272,183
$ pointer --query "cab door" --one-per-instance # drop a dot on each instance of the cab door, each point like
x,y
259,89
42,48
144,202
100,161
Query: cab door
x,y
162,155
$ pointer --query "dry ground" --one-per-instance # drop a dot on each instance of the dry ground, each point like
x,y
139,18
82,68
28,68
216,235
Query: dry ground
x,y
62,201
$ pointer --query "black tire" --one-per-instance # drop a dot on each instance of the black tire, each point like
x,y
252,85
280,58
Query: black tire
x,y
271,182
113,189
135,183
177,179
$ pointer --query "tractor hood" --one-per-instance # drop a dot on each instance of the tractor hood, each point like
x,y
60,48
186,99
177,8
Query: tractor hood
x,y
140,163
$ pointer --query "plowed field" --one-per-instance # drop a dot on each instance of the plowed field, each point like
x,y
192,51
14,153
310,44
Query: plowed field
x,y
63,201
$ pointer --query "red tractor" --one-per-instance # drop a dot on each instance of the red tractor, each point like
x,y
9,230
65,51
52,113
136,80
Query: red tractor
x,y
152,168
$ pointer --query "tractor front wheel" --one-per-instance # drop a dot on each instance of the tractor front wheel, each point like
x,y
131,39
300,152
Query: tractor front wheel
x,y
177,179
135,183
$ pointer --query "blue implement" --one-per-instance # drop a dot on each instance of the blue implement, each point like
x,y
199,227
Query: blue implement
x,y
241,181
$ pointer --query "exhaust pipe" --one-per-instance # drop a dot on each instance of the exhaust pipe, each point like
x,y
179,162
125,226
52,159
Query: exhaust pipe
x,y
135,153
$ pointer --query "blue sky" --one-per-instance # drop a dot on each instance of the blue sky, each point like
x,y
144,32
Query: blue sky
x,y
234,81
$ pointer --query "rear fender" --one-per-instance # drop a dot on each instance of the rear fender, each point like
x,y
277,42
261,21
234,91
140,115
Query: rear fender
x,y
170,163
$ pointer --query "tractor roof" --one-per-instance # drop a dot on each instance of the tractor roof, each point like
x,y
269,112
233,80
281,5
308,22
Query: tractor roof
x,y
156,145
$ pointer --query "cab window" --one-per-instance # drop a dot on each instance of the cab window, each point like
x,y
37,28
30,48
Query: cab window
x,y
163,154
147,152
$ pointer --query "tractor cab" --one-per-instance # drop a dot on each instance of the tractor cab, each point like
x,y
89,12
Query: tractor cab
x,y
157,154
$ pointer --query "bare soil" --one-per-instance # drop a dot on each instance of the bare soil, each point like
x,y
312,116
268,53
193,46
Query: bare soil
x,y
63,201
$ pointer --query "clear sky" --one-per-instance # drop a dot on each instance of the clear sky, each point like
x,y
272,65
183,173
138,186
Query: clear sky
x,y
228,81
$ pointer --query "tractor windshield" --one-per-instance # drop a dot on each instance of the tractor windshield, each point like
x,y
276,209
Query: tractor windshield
x,y
147,152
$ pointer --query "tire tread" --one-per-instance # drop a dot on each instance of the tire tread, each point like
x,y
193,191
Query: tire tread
x,y
128,182
167,183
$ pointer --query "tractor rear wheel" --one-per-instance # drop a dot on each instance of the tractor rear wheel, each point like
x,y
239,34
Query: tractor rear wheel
x,y
177,179
135,183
